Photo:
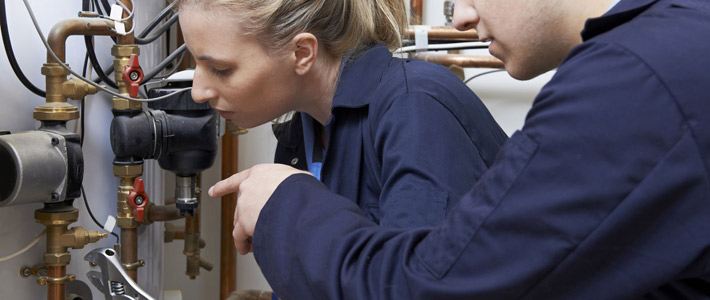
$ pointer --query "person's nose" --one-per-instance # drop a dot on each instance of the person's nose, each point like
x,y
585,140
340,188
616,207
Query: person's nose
x,y
465,15
201,88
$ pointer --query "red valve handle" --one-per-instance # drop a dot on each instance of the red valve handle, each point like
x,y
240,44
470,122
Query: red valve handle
x,y
138,200
133,75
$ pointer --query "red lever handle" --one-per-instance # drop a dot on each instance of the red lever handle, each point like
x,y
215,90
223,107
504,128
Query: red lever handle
x,y
133,75
138,200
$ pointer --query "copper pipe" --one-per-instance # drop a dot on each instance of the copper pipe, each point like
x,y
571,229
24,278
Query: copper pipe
x,y
128,38
192,242
228,253
447,34
129,251
465,61
77,26
416,12
162,213
56,291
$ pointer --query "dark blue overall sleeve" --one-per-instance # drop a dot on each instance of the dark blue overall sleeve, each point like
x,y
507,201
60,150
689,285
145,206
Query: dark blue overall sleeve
x,y
428,161
602,195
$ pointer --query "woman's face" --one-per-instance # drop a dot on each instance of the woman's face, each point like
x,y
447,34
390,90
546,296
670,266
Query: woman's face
x,y
234,73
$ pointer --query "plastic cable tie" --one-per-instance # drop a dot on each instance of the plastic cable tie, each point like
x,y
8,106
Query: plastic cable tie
x,y
120,28
116,12
110,223
421,37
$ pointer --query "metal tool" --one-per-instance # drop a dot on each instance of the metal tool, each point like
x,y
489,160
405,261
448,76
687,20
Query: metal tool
x,y
113,281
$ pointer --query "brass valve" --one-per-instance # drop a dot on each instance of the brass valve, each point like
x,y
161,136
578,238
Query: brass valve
x,y
77,89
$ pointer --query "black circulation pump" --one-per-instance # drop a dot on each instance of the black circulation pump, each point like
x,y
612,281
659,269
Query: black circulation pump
x,y
179,133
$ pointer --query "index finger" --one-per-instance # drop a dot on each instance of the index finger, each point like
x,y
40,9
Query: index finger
x,y
229,185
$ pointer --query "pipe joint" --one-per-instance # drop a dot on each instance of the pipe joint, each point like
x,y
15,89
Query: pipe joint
x,y
78,237
77,89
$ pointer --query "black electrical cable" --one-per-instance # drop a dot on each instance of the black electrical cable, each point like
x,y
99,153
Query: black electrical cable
x,y
91,214
81,142
11,54
164,63
157,20
95,63
481,74
165,27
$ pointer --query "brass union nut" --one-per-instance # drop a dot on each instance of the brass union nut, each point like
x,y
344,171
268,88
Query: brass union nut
x,y
128,170
124,104
125,222
62,218
125,50
53,69
57,259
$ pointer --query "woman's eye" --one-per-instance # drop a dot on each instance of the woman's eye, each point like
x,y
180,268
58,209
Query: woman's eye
x,y
220,73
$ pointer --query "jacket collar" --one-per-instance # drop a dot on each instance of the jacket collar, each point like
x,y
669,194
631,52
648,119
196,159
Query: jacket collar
x,y
619,14
360,76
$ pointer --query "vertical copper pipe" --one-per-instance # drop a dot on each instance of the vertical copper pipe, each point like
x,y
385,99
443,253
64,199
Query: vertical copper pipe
x,y
129,250
228,254
56,291
416,12
129,38
192,240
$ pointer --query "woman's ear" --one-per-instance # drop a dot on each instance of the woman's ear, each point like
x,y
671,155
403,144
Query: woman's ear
x,y
305,52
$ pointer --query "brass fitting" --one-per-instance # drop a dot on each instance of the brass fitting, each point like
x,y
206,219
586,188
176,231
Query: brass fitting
x,y
128,171
233,129
77,89
36,271
127,174
56,107
78,237
122,54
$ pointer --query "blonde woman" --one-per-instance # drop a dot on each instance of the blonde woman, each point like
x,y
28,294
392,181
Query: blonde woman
x,y
404,139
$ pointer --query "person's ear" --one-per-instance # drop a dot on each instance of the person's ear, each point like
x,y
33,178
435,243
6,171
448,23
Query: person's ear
x,y
305,52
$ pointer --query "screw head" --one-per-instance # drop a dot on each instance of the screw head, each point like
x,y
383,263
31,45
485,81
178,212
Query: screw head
x,y
26,272
55,196
139,200
55,141
133,75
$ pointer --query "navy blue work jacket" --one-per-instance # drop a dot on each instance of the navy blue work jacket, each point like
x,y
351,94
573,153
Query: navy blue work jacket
x,y
604,193
406,139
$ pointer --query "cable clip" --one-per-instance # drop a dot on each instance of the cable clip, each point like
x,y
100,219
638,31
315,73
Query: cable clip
x,y
421,37
133,75
138,200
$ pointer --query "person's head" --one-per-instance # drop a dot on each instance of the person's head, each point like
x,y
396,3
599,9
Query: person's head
x,y
530,36
256,59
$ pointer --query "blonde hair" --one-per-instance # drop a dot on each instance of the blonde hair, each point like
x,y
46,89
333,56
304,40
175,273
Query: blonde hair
x,y
339,25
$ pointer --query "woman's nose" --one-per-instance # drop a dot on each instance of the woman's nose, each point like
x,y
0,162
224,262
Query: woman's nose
x,y
465,15
201,89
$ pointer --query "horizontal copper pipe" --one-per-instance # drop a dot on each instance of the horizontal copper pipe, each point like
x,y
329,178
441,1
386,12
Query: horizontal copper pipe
x,y
77,26
447,34
163,213
464,61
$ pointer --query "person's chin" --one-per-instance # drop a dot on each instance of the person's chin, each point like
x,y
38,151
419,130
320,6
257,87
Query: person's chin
x,y
226,114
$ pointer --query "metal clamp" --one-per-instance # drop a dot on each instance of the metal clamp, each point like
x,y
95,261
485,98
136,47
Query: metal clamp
x,y
45,280
112,280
